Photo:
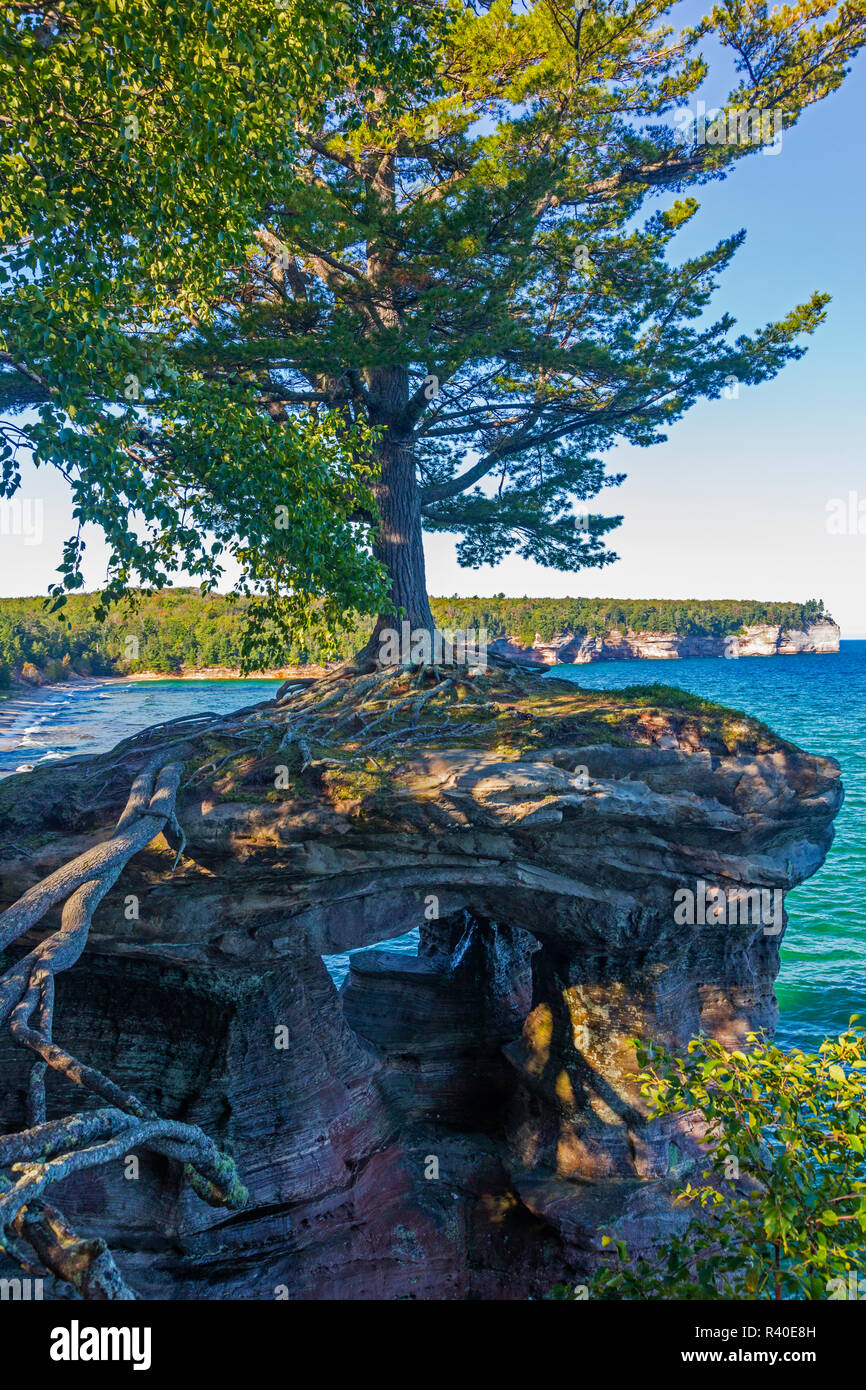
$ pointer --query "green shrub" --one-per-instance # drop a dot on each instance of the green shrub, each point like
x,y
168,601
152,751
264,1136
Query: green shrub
x,y
778,1205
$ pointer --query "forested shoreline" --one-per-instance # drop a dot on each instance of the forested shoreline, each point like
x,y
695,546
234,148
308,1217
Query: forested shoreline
x,y
181,630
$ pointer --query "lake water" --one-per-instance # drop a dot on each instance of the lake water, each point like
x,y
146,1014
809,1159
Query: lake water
x,y
818,702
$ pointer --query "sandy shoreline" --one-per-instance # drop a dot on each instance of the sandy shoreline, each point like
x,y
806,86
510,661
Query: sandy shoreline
x,y
230,673
19,699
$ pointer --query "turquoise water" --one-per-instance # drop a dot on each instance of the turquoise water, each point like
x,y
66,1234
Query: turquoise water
x,y
91,717
818,702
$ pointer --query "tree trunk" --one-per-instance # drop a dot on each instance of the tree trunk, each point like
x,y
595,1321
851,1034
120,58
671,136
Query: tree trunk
x,y
399,545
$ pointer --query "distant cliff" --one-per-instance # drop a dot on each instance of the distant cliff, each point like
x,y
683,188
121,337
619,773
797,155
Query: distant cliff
x,y
180,632
761,639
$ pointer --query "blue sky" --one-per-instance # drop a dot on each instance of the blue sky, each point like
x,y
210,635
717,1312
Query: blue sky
x,y
735,503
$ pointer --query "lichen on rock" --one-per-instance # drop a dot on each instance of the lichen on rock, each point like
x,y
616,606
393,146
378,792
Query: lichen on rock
x,y
463,1123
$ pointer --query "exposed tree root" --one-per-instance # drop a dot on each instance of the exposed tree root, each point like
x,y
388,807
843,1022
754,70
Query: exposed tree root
x,y
32,1233
337,721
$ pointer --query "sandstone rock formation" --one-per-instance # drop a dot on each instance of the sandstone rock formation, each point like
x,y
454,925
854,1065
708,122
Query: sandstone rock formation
x,y
463,1124
763,639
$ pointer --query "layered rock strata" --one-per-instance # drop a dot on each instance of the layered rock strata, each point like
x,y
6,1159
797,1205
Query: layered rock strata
x,y
463,1124
763,639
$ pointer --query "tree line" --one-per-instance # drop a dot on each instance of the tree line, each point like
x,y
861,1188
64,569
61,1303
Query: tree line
x,y
181,628
434,295
524,618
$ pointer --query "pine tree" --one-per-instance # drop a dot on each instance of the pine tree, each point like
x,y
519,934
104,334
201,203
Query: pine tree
x,y
460,300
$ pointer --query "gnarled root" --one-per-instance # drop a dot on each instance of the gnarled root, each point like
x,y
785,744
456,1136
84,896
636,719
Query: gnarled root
x,y
50,1150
